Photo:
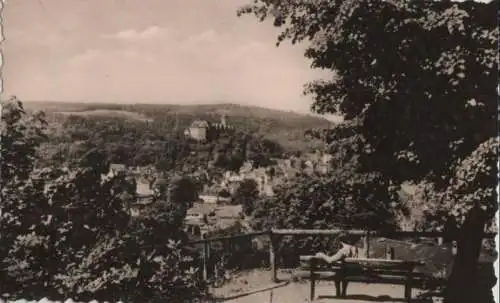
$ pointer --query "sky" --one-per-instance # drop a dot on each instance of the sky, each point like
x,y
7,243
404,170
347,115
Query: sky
x,y
148,51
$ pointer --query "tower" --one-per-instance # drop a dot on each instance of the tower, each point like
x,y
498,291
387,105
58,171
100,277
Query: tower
x,y
223,120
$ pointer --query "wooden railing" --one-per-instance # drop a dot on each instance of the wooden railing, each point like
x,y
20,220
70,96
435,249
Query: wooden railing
x,y
275,235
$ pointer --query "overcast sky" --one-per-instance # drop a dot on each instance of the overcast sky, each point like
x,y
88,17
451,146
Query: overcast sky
x,y
151,51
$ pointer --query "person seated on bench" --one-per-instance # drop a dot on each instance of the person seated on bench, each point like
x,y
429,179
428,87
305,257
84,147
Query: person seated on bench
x,y
348,250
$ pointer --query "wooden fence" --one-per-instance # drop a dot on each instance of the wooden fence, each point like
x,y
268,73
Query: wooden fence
x,y
275,235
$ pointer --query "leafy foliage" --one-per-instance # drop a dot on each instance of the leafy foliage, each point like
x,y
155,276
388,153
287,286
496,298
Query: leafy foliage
x,y
246,194
21,134
359,201
66,232
471,185
155,144
415,81
142,141
438,91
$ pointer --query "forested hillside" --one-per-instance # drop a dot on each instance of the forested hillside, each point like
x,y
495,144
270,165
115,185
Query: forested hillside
x,y
285,128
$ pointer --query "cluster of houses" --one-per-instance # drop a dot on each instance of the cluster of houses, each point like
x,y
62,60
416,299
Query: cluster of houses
x,y
202,217
147,182
213,210
266,178
317,162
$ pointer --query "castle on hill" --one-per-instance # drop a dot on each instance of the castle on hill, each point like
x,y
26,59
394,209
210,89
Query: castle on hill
x,y
202,130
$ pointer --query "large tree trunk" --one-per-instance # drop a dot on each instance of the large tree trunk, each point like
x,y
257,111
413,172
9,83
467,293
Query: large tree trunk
x,y
462,284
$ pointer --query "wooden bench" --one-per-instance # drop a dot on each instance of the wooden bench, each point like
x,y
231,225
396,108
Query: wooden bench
x,y
361,270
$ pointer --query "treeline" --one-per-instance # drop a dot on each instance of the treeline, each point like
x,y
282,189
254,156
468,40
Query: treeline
x,y
140,143
285,128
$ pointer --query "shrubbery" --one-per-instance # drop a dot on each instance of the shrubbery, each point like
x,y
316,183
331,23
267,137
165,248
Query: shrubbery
x,y
322,202
66,232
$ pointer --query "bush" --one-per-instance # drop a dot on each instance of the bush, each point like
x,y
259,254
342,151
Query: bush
x,y
246,195
224,193
67,232
124,268
325,202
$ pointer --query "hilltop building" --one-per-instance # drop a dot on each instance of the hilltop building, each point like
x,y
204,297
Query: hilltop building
x,y
202,130
198,130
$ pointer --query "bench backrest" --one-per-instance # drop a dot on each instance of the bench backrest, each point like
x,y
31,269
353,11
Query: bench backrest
x,y
361,263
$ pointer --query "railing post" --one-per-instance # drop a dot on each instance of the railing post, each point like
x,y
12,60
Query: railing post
x,y
272,256
205,259
366,244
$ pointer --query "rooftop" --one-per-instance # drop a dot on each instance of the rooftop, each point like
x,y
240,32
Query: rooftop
x,y
200,123
117,167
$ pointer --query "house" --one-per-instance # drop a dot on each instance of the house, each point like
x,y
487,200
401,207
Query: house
x,y
144,186
325,164
209,199
228,215
196,221
201,130
246,167
229,211
116,169
142,204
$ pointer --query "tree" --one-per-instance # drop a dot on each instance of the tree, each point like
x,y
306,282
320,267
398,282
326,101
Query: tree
x,y
224,193
246,194
415,80
467,196
183,190
65,232
174,196
342,199
21,135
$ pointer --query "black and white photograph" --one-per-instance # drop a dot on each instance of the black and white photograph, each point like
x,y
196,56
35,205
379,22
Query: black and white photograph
x,y
249,151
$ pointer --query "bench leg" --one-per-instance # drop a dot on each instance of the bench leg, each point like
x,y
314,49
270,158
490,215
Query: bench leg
x,y
313,286
408,293
340,284
313,281
338,288
408,288
344,288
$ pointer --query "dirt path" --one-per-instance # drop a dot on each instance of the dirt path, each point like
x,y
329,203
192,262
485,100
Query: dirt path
x,y
298,292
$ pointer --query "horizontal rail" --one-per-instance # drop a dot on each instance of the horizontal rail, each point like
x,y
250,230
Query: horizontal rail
x,y
366,260
328,232
253,234
275,234
426,234
331,232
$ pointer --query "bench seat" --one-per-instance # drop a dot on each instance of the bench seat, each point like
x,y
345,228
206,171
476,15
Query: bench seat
x,y
418,279
363,270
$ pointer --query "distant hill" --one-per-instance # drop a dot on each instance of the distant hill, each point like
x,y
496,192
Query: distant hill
x,y
286,128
